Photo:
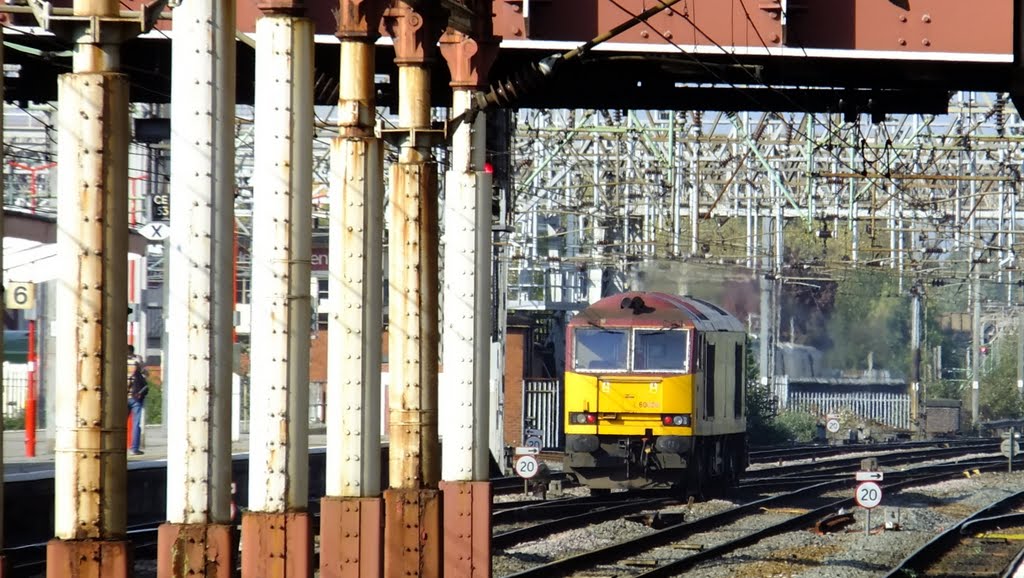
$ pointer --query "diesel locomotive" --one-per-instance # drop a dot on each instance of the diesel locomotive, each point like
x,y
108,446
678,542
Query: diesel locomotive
x,y
654,394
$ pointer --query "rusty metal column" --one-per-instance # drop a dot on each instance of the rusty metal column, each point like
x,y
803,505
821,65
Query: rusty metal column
x,y
412,529
197,540
352,512
467,315
277,539
3,559
92,249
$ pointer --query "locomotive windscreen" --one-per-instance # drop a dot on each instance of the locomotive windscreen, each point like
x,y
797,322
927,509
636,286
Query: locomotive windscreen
x,y
660,350
600,349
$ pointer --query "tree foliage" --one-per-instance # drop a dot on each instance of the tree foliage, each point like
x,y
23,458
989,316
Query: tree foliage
x,y
998,397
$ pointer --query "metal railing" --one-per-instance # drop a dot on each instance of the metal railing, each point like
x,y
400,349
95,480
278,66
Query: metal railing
x,y
891,409
15,389
542,411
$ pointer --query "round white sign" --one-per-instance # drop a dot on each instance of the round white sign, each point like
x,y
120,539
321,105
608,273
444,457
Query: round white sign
x,y
869,494
526,466
1004,448
832,425
534,442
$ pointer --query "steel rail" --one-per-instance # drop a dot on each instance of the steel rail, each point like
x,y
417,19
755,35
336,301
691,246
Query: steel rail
x,y
626,548
915,563
506,539
802,520
540,510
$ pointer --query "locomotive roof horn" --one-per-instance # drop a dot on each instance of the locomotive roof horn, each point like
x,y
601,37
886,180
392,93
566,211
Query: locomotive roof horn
x,y
636,304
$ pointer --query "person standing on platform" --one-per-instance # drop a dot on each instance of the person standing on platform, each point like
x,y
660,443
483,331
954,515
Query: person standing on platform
x,y
137,390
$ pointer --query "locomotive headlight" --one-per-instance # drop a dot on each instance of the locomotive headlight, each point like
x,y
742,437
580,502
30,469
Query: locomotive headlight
x,y
582,418
676,420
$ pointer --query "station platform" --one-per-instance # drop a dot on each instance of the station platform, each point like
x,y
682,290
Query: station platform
x,y
154,446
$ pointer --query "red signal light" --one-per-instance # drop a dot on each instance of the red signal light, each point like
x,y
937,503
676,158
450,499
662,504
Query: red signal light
x,y
591,418
488,168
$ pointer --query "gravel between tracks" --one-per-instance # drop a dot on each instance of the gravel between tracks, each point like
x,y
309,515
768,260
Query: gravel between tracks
x,y
922,512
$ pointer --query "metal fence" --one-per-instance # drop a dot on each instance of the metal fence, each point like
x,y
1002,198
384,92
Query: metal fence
x,y
15,389
891,409
542,411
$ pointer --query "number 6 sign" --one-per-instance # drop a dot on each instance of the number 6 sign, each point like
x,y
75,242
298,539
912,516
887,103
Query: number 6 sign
x,y
869,495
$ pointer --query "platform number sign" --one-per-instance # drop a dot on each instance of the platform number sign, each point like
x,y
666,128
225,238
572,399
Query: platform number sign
x,y
20,296
526,466
869,494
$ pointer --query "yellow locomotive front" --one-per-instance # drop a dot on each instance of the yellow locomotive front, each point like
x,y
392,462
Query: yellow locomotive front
x,y
637,394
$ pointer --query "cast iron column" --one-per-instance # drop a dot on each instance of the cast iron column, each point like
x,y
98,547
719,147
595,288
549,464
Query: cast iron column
x,y
277,540
92,252
3,559
412,530
467,317
197,538
352,512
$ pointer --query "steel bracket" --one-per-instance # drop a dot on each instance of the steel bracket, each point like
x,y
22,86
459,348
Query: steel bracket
x,y
98,30
418,137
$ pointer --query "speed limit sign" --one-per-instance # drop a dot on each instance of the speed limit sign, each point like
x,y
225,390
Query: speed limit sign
x,y
869,495
526,466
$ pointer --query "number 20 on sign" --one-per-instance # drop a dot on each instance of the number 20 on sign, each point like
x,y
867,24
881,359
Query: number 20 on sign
x,y
526,466
869,494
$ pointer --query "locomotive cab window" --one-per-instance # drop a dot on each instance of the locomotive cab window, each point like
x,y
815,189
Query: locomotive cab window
x,y
660,350
600,349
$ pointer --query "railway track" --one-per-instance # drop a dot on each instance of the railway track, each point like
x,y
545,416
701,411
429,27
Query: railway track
x,y
683,546
817,451
988,543
594,514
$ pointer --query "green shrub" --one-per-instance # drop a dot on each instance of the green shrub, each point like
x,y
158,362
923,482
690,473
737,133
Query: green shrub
x,y
799,426
154,404
16,421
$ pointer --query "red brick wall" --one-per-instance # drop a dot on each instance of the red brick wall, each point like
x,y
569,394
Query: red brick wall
x,y
517,343
318,356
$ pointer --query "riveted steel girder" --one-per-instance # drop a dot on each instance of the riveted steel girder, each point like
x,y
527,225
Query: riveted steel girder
x,y
92,236
278,479
200,291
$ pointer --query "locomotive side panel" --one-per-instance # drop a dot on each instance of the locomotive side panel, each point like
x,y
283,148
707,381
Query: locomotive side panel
x,y
720,390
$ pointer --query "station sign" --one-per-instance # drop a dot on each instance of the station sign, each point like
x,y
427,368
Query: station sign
x,y
20,296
